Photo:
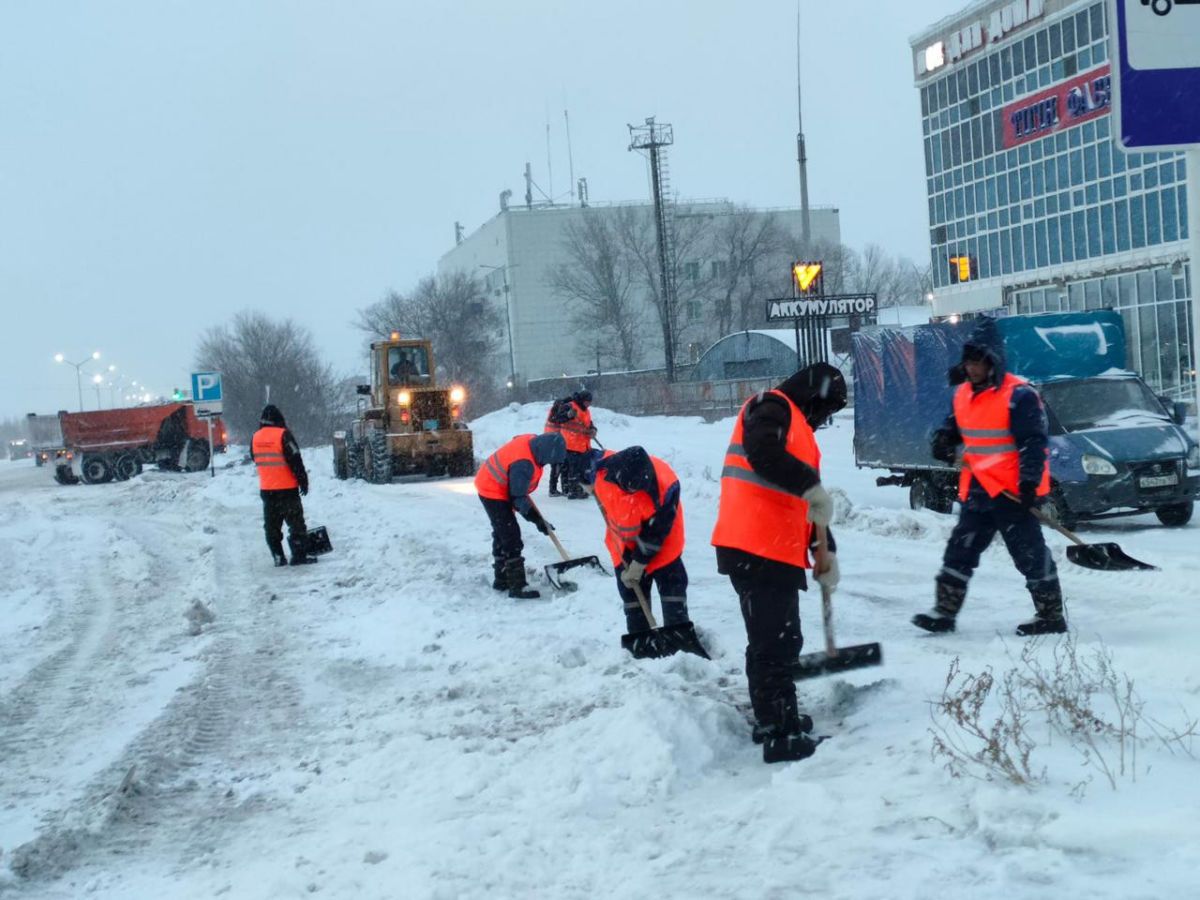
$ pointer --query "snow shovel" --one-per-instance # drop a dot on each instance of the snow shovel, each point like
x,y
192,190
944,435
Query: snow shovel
x,y
554,570
833,659
659,642
1106,556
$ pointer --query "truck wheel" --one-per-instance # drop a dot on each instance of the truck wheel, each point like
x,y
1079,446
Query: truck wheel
x,y
378,459
127,466
927,493
64,475
198,456
96,470
1175,515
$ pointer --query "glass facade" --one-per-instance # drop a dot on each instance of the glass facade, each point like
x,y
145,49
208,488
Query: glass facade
x,y
1015,187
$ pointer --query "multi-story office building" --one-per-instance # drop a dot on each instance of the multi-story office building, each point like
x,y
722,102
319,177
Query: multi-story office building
x,y
1033,206
517,251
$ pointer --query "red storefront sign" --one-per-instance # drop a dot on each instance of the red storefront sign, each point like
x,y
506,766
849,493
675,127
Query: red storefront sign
x,y
1070,103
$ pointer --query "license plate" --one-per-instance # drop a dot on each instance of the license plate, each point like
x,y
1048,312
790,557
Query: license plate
x,y
430,425
1153,481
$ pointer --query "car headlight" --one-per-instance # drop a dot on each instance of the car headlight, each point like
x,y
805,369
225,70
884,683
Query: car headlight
x,y
1193,457
457,395
1098,465
404,398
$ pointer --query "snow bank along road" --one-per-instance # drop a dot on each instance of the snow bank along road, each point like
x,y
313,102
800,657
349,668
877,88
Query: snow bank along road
x,y
385,725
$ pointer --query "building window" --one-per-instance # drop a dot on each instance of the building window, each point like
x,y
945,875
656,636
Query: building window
x,y
691,271
719,268
694,309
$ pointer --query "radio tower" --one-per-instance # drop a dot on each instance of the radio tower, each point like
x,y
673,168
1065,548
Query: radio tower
x,y
655,138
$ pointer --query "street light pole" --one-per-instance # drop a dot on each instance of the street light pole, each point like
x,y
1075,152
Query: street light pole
x,y
512,360
59,358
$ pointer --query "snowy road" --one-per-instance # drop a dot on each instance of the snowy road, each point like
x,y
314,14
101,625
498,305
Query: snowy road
x,y
385,725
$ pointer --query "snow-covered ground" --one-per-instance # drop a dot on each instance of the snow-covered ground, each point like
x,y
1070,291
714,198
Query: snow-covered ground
x,y
385,725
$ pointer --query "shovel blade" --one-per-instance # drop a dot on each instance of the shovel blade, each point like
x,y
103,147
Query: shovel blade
x,y
554,571
1106,557
859,656
668,640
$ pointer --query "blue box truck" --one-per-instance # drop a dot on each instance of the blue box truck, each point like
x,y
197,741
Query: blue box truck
x,y
1116,449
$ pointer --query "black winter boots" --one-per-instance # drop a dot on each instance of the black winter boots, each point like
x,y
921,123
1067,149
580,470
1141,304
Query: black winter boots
x,y
518,586
280,559
789,747
1047,600
499,576
299,547
948,600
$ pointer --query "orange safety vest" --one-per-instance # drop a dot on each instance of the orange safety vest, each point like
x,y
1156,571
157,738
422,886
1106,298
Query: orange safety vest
x,y
984,419
491,480
625,514
758,516
577,431
274,474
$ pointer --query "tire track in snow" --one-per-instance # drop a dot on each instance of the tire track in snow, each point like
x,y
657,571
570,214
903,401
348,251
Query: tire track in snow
x,y
182,783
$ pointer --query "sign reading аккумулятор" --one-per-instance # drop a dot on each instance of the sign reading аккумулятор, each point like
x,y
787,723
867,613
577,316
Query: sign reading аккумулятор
x,y
813,307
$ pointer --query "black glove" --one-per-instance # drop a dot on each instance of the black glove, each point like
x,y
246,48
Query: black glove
x,y
304,490
942,447
1029,497
538,521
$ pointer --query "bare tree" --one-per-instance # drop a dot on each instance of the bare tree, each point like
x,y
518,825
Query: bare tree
x,y
597,283
257,356
635,229
455,314
744,247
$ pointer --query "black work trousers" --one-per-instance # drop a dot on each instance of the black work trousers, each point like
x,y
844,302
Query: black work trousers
x,y
506,533
279,507
672,582
978,522
771,611
573,472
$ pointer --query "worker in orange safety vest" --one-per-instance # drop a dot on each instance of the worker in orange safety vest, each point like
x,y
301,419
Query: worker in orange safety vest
x,y
640,498
771,497
1000,423
282,481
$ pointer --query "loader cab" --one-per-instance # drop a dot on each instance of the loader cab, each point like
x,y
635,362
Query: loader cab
x,y
397,363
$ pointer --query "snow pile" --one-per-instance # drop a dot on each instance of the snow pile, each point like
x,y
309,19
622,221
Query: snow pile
x,y
384,724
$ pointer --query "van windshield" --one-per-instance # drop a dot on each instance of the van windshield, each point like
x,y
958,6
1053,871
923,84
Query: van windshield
x,y
1102,403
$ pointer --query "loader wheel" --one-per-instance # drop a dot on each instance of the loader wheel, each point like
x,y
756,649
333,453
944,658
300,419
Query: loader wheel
x,y
378,459
96,470
127,466
341,468
462,464
354,459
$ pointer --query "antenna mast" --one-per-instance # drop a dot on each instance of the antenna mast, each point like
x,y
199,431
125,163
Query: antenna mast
x,y
570,158
801,152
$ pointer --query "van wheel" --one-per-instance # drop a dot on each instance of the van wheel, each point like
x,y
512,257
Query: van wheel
x,y
1175,515
1056,510
96,470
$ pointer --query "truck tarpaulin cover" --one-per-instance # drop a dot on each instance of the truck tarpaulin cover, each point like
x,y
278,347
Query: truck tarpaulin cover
x,y
138,426
901,392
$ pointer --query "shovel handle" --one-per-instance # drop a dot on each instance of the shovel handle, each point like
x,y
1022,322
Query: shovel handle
x,y
562,551
1046,520
641,599
820,561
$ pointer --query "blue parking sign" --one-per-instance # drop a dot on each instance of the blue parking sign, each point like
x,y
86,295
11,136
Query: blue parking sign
x,y
1156,73
206,387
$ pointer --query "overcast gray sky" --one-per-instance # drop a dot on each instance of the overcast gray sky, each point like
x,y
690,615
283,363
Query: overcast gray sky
x,y
164,165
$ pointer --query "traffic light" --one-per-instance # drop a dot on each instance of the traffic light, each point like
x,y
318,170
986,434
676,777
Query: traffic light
x,y
808,278
177,394
963,269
